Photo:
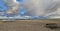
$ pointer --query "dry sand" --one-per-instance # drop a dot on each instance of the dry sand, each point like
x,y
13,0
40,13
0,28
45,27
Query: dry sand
x,y
28,25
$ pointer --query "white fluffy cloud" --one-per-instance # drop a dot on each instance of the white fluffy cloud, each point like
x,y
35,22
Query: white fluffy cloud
x,y
38,7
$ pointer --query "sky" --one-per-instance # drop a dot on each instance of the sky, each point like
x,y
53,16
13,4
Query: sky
x,y
2,6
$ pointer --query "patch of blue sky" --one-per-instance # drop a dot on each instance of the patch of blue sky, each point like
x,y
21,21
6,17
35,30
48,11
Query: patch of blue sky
x,y
2,6
19,0
23,11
